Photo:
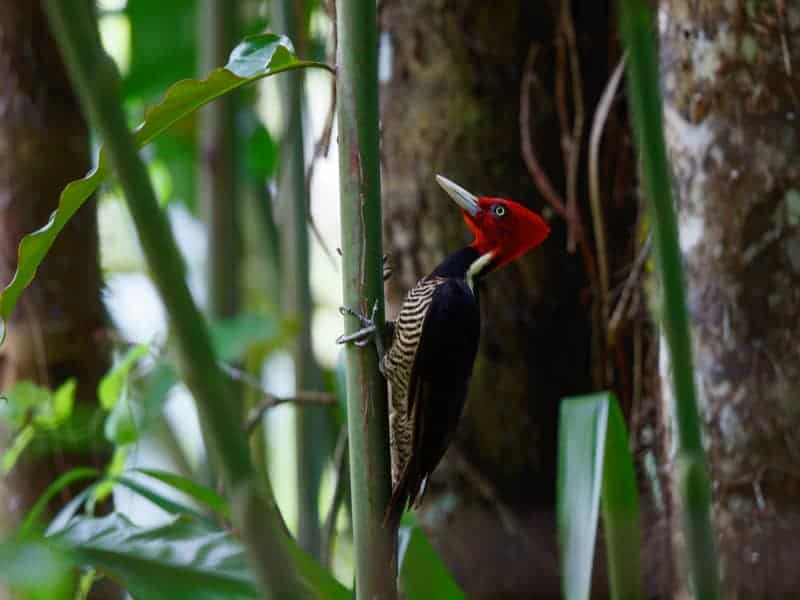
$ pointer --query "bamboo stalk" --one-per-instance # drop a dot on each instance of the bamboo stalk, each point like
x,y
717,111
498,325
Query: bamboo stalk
x,y
217,187
311,427
638,26
254,514
367,415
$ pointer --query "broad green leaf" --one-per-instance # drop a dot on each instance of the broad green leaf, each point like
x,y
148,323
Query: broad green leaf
x,y
256,57
182,560
110,388
594,466
68,478
203,495
166,504
423,575
36,570
185,559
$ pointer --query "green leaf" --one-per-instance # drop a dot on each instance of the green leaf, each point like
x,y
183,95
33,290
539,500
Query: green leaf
x,y
163,45
18,445
256,57
203,495
261,152
182,560
233,337
185,559
68,478
111,386
594,461
36,571
21,400
423,575
59,408
166,504
120,426
323,584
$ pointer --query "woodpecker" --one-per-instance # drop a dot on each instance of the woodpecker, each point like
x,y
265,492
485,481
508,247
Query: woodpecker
x,y
435,339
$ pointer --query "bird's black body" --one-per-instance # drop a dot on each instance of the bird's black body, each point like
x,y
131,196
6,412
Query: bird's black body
x,y
428,366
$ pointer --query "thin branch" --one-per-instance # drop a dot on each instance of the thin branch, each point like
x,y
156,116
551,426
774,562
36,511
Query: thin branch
x,y
540,178
572,148
598,125
256,413
633,276
340,460
303,397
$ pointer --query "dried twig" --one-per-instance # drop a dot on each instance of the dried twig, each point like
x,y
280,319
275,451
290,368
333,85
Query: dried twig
x,y
307,397
633,276
538,175
598,125
572,149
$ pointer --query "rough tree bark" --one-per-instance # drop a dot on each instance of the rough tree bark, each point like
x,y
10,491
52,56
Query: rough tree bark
x,y
451,105
58,328
732,119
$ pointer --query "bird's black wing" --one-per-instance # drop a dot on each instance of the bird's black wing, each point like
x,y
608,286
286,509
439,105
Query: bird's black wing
x,y
438,384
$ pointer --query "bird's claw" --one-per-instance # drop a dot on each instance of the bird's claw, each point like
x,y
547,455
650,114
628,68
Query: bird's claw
x,y
363,336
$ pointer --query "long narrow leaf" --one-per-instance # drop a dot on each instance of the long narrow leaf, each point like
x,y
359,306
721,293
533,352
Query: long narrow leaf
x,y
255,58
201,494
594,461
166,504
68,478
637,26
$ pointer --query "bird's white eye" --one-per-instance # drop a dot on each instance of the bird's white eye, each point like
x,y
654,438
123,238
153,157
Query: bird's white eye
x,y
499,210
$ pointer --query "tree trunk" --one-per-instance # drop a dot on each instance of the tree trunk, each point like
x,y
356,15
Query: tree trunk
x,y
58,329
451,105
733,126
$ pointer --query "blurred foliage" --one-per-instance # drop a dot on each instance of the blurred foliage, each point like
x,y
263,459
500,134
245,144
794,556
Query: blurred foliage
x,y
192,553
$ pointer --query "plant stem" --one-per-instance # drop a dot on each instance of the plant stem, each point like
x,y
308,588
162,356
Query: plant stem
x,y
254,514
367,415
637,26
311,428
217,187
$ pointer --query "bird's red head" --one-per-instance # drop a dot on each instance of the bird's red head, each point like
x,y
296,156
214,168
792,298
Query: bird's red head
x,y
502,227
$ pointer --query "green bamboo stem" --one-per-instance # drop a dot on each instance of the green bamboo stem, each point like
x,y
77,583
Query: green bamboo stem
x,y
310,426
367,415
255,516
217,187
637,26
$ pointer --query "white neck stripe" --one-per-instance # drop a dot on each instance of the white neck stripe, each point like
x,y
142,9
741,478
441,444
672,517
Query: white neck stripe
x,y
477,267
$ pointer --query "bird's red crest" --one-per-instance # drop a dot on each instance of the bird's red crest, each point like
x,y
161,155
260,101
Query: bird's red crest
x,y
506,229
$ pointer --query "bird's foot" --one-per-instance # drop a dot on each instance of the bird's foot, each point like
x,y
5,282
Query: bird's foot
x,y
368,332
